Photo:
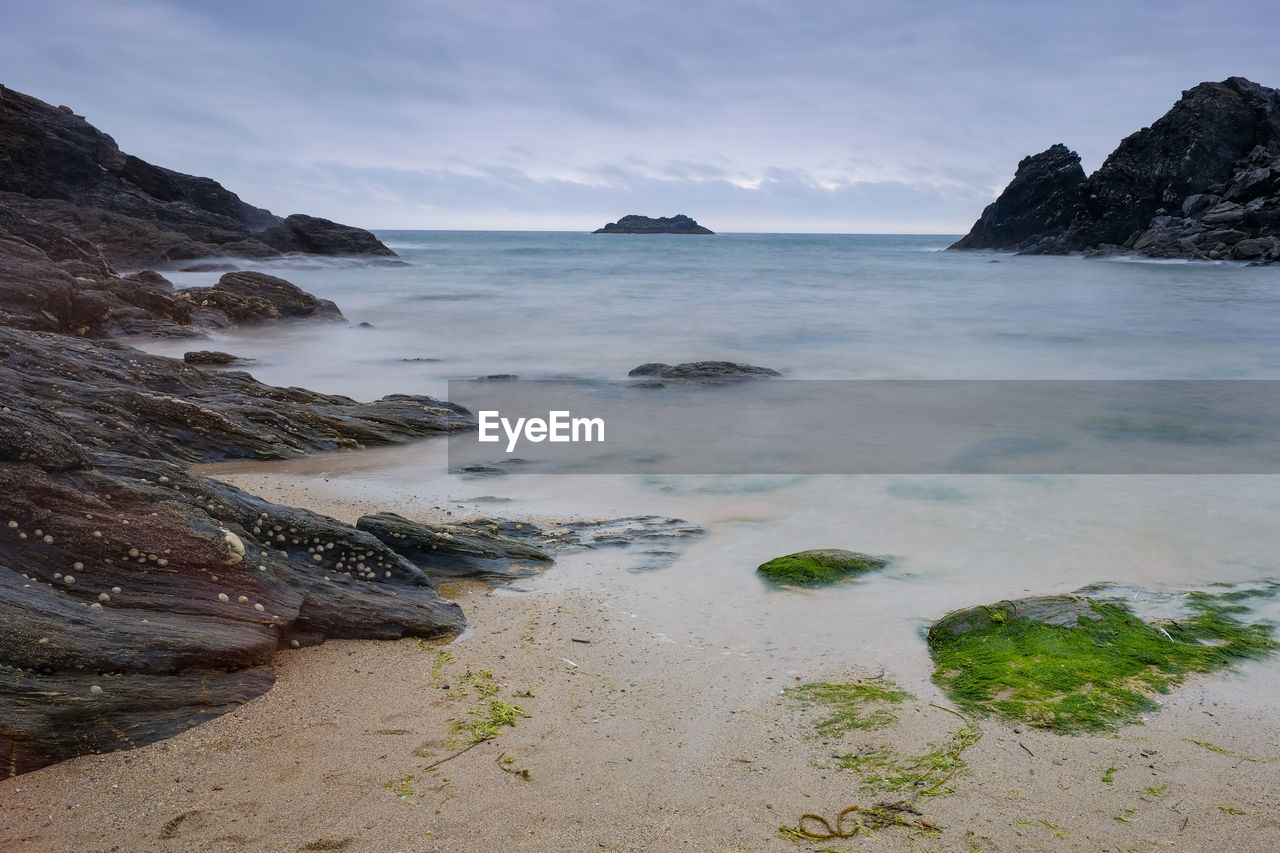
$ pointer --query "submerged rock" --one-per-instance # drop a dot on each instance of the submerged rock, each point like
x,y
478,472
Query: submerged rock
x,y
502,549
819,567
678,224
694,370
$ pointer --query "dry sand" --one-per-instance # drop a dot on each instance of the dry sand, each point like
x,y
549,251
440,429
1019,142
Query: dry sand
x,y
633,742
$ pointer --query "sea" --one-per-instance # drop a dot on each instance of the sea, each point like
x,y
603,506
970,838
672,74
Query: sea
x,y
577,306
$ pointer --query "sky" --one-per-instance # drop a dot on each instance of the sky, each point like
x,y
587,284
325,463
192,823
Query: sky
x,y
837,116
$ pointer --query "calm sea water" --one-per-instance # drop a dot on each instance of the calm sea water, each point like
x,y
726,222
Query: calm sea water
x,y
545,305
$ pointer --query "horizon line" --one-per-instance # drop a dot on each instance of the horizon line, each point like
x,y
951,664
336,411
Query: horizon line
x,y
713,234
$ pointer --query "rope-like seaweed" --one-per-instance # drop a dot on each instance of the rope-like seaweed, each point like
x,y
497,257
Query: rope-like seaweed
x,y
880,815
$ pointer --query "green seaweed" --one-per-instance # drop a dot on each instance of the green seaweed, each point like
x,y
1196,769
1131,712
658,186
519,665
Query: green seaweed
x,y
848,703
486,722
402,788
1222,750
437,668
820,567
1055,830
1093,676
884,769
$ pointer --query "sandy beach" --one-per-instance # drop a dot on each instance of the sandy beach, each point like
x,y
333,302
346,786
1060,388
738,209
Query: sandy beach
x,y
632,741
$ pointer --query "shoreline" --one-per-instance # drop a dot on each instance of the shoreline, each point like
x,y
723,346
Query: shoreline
x,y
637,744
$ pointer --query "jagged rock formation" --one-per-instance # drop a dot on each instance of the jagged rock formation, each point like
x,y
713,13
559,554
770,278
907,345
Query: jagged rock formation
x,y
678,224
1201,182
1041,199
57,169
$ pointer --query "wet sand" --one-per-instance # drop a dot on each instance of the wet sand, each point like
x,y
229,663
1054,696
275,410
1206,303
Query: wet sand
x,y
634,740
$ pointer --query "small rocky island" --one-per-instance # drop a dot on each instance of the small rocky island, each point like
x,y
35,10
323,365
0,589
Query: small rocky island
x,y
1202,182
678,224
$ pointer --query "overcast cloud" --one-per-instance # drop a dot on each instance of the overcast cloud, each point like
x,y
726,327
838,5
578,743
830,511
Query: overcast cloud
x,y
772,115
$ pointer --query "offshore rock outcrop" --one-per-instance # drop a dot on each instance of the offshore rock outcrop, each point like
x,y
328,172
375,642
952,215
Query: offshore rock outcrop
x,y
60,170
1202,182
678,224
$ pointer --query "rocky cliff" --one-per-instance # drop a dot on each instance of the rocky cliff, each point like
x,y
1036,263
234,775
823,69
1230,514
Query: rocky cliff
x,y
1202,182
138,600
678,224
57,169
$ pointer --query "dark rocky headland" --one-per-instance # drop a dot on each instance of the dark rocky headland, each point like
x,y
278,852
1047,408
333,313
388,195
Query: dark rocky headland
x,y
139,600
678,224
1202,182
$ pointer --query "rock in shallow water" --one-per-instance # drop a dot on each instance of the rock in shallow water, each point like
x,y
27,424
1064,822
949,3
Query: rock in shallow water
x,y
702,370
501,549
212,357
820,567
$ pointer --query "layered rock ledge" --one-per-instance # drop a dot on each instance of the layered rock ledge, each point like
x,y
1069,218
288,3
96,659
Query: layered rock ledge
x,y
139,600
62,171
1202,182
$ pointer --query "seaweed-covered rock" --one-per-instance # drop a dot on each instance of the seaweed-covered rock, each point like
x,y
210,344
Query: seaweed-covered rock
x,y
819,567
1074,662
